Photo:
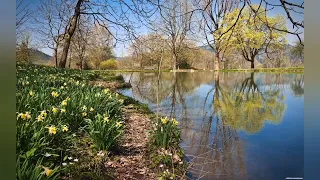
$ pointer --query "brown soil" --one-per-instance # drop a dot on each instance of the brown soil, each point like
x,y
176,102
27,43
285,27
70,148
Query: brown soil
x,y
131,162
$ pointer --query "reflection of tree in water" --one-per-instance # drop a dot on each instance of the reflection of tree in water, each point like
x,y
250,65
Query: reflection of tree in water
x,y
246,108
298,85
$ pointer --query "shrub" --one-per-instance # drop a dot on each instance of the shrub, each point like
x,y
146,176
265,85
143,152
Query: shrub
x,y
108,64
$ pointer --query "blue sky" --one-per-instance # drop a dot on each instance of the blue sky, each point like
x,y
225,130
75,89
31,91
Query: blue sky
x,y
121,48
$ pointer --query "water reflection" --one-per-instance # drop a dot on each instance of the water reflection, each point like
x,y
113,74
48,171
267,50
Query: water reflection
x,y
213,110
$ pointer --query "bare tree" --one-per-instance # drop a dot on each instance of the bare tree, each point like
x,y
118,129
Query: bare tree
x,y
52,18
115,14
175,24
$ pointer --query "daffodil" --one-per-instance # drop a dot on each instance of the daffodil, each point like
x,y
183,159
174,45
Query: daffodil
x,y
91,109
54,110
64,103
164,120
118,124
44,113
121,101
47,171
52,130
28,116
106,91
22,116
64,84
63,110
68,98
84,108
65,128
54,94
106,119
84,114
175,122
27,82
40,118
31,93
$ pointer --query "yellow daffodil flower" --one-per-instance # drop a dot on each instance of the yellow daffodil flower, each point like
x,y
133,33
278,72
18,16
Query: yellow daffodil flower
x,y
54,94
28,116
106,119
65,128
63,110
22,116
54,110
91,109
44,113
31,93
84,108
52,130
118,124
175,122
84,114
47,171
106,91
164,120
64,103
40,118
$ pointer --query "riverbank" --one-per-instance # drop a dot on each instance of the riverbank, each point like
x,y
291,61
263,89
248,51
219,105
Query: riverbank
x,y
73,124
280,70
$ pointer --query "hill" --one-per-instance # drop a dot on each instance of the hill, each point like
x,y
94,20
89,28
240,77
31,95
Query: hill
x,y
39,55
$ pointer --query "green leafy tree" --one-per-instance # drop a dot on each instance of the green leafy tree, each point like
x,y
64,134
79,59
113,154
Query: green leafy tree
x,y
252,33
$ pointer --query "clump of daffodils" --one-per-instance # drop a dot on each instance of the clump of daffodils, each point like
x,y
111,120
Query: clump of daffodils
x,y
165,120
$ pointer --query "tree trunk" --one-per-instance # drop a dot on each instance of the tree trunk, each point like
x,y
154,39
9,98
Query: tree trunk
x,y
174,62
252,64
69,33
216,61
55,56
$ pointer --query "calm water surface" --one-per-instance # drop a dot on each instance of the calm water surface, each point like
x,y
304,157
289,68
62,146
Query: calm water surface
x,y
234,125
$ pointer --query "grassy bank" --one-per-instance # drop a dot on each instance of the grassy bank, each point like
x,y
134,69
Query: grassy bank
x,y
69,125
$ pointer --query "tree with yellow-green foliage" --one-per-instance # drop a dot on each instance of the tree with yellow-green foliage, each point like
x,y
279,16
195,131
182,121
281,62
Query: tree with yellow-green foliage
x,y
253,34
